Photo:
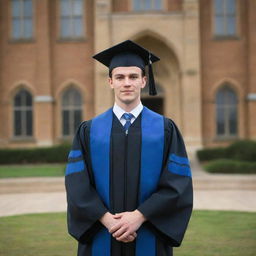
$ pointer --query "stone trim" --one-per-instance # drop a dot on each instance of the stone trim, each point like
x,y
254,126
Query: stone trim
x,y
251,97
44,98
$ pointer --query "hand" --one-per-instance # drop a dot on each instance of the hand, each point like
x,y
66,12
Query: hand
x,y
109,220
128,239
128,223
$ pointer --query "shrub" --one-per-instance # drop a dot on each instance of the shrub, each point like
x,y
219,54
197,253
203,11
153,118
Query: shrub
x,y
242,150
211,154
55,154
230,166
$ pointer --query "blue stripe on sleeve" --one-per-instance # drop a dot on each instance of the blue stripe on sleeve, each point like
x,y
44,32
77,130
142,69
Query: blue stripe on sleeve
x,y
179,159
75,154
75,167
183,170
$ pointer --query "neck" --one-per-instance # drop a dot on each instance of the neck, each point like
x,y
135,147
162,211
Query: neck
x,y
128,107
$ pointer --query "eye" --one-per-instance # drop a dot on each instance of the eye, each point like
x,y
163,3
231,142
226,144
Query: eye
x,y
133,77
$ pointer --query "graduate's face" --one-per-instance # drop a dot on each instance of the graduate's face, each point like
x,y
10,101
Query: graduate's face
x,y
127,83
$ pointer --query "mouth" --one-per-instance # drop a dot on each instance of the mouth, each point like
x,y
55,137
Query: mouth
x,y
126,91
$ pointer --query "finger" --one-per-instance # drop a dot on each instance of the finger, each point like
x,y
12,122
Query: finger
x,y
125,233
123,236
119,232
130,238
115,227
117,215
126,240
134,235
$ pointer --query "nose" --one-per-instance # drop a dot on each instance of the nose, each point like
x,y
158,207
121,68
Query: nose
x,y
127,81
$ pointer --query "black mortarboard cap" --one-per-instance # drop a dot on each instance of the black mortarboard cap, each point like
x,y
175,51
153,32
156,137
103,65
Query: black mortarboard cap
x,y
128,54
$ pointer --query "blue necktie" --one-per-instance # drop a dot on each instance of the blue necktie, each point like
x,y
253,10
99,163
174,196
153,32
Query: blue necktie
x,y
128,117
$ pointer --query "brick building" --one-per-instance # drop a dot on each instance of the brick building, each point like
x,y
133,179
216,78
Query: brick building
x,y
49,82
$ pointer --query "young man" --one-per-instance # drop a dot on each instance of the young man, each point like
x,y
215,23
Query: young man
x,y
128,180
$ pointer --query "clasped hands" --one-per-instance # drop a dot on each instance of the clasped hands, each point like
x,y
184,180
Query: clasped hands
x,y
123,226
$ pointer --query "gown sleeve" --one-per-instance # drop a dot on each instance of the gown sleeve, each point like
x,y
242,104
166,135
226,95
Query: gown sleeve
x,y
168,210
84,207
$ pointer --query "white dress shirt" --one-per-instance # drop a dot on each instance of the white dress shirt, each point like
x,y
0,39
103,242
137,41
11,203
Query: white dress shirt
x,y
118,111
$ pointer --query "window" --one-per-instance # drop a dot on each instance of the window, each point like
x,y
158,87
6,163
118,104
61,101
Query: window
x,y
147,5
23,114
71,111
22,19
226,112
71,20
225,17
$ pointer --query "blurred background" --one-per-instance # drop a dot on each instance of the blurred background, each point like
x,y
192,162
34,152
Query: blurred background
x,y
49,82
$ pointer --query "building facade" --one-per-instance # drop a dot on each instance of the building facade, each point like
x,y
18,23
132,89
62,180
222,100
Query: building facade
x,y
49,83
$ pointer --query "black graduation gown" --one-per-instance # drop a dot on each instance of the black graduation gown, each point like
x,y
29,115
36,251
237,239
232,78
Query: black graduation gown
x,y
167,210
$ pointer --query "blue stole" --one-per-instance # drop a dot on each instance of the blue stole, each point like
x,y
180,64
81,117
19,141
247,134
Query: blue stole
x,y
152,129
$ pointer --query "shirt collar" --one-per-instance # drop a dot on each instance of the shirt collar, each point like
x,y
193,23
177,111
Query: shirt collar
x,y
118,111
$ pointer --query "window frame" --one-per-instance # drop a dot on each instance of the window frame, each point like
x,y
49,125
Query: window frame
x,y
132,7
33,21
70,109
23,108
60,37
236,35
227,135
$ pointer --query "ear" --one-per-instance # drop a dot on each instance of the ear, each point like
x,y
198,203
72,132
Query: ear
x,y
110,82
144,82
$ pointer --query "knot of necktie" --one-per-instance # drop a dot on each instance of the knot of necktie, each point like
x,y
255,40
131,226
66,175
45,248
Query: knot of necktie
x,y
128,117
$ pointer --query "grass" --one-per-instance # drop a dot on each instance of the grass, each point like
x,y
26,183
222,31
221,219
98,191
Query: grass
x,y
217,233
32,170
35,234
210,233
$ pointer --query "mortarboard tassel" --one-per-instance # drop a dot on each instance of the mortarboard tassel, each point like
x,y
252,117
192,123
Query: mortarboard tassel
x,y
151,80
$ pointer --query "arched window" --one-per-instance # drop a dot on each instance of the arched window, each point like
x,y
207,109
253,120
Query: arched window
x,y
23,114
226,112
71,111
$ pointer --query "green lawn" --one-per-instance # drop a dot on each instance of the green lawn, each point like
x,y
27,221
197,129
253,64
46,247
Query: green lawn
x,y
32,170
210,233
220,233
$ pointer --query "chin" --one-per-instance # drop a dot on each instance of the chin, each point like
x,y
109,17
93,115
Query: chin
x,y
128,101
